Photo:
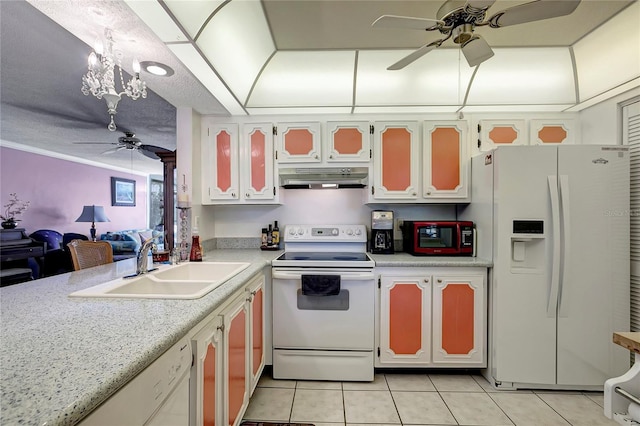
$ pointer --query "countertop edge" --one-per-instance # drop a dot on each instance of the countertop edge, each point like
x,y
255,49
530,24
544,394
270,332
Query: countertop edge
x,y
629,340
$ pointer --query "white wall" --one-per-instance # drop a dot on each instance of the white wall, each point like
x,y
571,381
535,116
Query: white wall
x,y
317,206
601,123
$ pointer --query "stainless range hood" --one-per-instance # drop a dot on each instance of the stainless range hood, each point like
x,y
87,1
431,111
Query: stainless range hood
x,y
323,178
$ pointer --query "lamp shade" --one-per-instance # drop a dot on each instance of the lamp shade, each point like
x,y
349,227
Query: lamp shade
x,y
93,214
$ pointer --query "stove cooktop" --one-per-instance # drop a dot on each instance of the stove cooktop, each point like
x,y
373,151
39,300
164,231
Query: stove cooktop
x,y
324,257
320,259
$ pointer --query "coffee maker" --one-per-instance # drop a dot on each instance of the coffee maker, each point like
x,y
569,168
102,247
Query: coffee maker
x,y
382,231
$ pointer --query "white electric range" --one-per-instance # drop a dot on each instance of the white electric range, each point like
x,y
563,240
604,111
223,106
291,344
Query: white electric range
x,y
323,304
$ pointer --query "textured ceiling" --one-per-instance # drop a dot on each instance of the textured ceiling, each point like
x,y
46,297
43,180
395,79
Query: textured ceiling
x,y
340,24
45,44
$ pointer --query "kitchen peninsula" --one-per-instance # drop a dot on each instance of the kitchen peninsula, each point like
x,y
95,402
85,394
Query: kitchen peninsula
x,y
62,357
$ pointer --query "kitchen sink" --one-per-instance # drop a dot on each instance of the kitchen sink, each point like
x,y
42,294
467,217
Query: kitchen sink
x,y
202,271
184,281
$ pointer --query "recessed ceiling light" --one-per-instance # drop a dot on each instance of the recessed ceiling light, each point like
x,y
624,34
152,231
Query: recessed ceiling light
x,y
156,68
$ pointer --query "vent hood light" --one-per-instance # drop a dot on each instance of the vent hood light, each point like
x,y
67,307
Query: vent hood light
x,y
324,178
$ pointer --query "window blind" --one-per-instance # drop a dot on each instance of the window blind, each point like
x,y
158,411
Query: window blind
x,y
631,137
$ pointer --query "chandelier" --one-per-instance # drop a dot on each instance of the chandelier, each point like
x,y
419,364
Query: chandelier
x,y
100,79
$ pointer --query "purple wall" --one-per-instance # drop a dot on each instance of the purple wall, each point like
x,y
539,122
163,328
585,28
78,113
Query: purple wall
x,y
57,190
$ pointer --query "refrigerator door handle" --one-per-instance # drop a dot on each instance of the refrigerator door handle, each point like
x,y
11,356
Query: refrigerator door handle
x,y
566,241
552,303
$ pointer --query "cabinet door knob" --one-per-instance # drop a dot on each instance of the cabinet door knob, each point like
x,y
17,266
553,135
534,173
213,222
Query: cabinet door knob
x,y
439,280
220,327
253,293
331,156
233,194
247,195
414,194
426,281
428,192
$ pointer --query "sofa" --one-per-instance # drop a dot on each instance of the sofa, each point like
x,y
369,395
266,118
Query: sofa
x,y
127,243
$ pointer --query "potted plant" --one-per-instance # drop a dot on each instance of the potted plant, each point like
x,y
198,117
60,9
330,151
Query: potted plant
x,y
12,209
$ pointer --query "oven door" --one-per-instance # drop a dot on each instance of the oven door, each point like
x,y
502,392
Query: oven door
x,y
341,322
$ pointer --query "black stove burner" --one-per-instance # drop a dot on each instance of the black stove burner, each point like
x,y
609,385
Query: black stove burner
x,y
325,256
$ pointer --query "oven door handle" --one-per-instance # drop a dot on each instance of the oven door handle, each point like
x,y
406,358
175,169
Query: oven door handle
x,y
350,276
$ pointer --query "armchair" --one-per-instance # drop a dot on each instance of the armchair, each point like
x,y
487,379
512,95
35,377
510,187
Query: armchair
x,y
56,259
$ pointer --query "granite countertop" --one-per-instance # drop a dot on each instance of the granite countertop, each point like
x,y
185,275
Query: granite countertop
x,y
61,357
408,260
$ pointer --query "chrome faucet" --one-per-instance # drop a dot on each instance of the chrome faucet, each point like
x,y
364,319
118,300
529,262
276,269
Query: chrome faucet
x,y
143,254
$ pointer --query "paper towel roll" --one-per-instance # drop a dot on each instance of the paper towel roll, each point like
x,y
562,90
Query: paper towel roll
x,y
634,411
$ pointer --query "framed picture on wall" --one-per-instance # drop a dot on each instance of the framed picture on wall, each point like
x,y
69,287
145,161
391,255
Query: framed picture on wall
x,y
123,192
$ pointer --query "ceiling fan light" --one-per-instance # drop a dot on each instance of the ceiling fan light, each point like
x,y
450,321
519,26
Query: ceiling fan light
x,y
462,33
476,51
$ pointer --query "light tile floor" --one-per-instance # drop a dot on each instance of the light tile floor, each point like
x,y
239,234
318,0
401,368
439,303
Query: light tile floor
x,y
419,399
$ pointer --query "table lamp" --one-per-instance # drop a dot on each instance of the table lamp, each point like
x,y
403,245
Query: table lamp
x,y
93,214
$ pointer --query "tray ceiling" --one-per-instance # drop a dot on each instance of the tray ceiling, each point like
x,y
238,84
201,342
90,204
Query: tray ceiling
x,y
270,56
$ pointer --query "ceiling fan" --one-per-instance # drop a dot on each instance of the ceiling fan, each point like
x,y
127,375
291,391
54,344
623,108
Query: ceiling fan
x,y
457,19
131,142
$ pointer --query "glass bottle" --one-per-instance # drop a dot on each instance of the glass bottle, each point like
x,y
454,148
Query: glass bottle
x,y
263,242
275,235
196,249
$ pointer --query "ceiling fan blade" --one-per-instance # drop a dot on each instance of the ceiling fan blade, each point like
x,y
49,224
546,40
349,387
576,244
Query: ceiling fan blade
x,y
94,143
154,148
476,51
148,153
533,11
415,55
407,22
111,151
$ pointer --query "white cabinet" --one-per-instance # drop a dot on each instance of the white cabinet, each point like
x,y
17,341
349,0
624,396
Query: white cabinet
x,y
495,133
433,317
445,160
552,131
244,348
221,179
395,161
298,142
206,380
229,356
238,167
236,354
255,296
459,326
410,169
348,141
405,319
257,179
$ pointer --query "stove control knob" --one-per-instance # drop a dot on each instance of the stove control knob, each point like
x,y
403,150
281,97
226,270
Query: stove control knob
x,y
292,231
349,231
300,231
358,231
334,231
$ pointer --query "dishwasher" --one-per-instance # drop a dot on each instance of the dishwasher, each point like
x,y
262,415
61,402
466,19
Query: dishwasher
x,y
159,396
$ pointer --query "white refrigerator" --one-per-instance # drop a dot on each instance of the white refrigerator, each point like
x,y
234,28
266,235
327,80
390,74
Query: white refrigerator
x,y
555,222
